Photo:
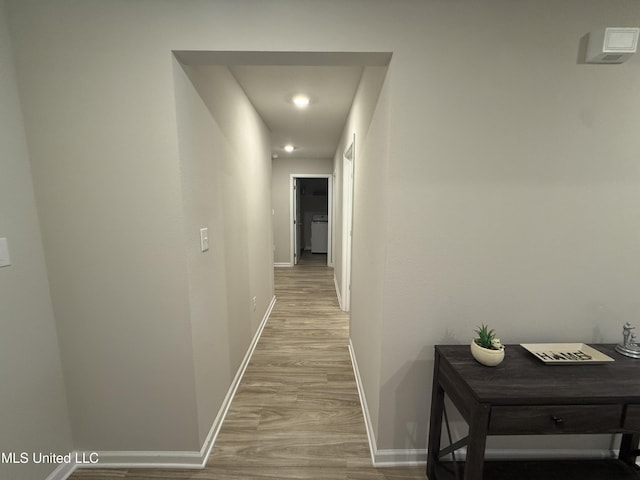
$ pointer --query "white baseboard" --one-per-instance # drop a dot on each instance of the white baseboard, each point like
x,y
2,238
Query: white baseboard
x,y
538,454
382,458
418,457
548,454
226,403
335,284
400,458
63,471
187,459
283,265
363,402
143,459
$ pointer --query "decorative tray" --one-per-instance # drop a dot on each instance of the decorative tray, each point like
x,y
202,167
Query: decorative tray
x,y
566,353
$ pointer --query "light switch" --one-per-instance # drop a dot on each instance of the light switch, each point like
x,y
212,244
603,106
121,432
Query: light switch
x,y
204,239
5,260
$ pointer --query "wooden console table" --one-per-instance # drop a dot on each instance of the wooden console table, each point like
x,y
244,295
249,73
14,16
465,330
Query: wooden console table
x,y
523,396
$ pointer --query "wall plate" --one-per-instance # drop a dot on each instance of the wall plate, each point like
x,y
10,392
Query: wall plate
x,y
204,239
5,259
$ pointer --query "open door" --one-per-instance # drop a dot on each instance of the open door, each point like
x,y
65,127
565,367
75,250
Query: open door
x,y
301,220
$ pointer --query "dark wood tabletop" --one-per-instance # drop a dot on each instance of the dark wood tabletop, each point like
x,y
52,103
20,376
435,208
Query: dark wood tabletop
x,y
512,381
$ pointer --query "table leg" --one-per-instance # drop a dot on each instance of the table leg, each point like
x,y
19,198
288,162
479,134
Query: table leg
x,y
629,447
478,427
435,421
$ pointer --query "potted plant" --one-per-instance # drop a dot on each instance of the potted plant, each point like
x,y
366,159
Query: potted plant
x,y
486,348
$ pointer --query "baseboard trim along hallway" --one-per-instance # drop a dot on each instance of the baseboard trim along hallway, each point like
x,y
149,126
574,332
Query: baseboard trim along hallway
x,y
187,460
296,407
63,471
383,458
335,284
293,410
363,402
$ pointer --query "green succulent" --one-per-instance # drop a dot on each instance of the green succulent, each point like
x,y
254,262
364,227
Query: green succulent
x,y
486,338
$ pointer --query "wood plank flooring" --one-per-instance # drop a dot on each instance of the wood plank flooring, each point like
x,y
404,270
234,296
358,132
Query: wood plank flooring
x,y
296,413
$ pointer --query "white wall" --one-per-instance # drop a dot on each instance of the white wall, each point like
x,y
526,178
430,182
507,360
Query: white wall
x,y
106,172
510,191
283,168
513,182
33,406
369,122
103,134
243,156
225,173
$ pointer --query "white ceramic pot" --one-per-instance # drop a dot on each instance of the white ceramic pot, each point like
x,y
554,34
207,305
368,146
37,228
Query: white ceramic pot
x,y
487,356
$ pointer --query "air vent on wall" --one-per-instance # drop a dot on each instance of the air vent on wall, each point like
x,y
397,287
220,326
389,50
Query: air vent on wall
x,y
612,45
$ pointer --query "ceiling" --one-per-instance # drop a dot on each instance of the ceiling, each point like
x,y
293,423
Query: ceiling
x,y
314,130
270,79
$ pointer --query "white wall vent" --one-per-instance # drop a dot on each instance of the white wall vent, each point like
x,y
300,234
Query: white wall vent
x,y
612,45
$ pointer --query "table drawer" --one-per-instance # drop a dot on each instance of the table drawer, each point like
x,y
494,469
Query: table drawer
x,y
632,418
555,419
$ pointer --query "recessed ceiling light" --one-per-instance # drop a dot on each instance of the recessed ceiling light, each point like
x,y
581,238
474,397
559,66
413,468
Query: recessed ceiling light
x,y
289,148
300,101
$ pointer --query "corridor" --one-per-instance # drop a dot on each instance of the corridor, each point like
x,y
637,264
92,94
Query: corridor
x,y
296,413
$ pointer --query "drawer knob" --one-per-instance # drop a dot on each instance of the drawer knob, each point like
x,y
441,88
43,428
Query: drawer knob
x,y
557,420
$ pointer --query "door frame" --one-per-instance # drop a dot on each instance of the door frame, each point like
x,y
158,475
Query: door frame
x,y
293,177
348,172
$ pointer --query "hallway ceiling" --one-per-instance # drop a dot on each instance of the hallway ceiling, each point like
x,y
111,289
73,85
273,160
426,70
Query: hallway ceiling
x,y
315,130
270,79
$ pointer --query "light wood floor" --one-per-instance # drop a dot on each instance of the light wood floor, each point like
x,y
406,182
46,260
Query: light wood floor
x,y
296,414
318,259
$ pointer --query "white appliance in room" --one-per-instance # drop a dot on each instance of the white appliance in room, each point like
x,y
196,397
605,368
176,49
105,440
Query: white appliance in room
x,y
319,233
